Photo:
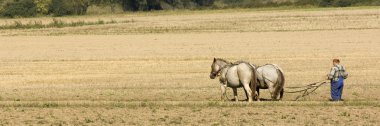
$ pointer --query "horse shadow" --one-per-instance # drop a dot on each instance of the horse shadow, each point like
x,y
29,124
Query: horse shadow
x,y
261,99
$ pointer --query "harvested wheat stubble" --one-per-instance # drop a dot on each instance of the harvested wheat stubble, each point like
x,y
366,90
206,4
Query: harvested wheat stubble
x,y
162,78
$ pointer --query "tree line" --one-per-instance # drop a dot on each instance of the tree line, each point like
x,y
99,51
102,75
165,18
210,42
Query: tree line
x,y
30,8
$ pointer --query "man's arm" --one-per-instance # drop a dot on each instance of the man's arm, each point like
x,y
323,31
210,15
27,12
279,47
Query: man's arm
x,y
331,74
345,74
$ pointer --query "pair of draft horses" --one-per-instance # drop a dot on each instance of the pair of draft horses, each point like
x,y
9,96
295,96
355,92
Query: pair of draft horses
x,y
250,77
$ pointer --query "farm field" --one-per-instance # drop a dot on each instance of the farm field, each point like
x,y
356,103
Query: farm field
x,y
153,68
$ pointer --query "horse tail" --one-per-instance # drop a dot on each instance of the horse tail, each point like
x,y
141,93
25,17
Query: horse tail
x,y
253,84
280,81
281,93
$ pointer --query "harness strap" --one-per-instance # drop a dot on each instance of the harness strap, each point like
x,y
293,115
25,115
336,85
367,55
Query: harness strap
x,y
224,81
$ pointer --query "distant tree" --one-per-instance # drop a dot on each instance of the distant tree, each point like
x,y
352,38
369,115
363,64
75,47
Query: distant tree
x,y
205,2
111,3
42,6
153,5
181,4
20,8
69,7
326,3
130,5
343,3
136,5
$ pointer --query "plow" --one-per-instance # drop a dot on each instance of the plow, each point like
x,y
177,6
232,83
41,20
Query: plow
x,y
305,90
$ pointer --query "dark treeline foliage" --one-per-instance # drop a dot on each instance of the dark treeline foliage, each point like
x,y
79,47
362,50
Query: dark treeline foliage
x,y
338,3
29,8
24,8
68,7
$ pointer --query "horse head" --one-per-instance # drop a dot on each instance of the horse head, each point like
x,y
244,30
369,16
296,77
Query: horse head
x,y
216,67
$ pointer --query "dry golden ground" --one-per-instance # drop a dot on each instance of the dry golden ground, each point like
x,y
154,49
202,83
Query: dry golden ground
x,y
65,79
259,115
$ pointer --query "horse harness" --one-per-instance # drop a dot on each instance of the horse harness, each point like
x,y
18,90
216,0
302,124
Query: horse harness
x,y
224,80
221,79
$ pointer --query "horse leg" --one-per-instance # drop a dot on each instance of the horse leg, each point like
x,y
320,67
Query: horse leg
x,y
271,90
223,89
276,93
257,98
246,95
235,94
249,91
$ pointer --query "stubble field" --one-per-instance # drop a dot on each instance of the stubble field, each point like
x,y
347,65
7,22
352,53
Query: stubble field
x,y
152,68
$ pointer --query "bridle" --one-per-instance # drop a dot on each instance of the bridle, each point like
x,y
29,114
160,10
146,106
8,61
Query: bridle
x,y
216,73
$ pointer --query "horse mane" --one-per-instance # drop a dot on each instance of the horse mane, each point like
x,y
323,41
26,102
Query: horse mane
x,y
223,60
242,61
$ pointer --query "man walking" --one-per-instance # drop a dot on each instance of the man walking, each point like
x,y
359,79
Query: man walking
x,y
337,76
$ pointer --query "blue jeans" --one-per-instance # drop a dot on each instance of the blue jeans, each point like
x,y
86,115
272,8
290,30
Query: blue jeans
x,y
337,89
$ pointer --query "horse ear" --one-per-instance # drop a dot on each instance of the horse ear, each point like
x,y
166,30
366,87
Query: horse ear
x,y
214,59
